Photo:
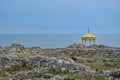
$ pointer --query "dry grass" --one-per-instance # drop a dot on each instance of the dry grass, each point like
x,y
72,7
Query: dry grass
x,y
77,77
100,66
77,55
96,65
27,54
86,56
3,74
23,54
4,78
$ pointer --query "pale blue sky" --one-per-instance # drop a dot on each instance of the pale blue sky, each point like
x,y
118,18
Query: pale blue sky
x,y
59,16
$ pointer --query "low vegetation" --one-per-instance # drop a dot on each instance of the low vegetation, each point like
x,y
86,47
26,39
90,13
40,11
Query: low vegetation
x,y
97,66
116,74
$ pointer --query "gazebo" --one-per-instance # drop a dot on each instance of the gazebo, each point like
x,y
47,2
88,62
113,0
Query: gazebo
x,y
88,39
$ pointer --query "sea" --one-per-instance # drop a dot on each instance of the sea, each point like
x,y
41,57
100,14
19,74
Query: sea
x,y
57,41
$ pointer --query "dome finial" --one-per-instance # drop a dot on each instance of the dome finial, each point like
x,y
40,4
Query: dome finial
x,y
88,30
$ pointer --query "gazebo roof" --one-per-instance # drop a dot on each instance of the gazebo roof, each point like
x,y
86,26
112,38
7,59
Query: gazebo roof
x,y
88,35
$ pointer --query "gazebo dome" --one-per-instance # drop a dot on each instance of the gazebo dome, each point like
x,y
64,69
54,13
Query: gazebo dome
x,y
88,35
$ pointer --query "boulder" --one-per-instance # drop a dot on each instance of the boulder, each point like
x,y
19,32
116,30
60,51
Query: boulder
x,y
110,64
76,46
47,76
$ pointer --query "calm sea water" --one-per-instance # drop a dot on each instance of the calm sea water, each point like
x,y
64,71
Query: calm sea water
x,y
56,41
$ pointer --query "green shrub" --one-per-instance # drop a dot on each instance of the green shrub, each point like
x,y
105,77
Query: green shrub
x,y
69,79
116,74
97,69
73,58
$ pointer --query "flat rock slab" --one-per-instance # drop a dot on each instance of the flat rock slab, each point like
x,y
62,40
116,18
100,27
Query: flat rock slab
x,y
47,76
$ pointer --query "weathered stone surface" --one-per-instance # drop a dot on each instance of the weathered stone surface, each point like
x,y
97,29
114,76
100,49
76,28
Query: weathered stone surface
x,y
111,64
76,46
47,76
51,63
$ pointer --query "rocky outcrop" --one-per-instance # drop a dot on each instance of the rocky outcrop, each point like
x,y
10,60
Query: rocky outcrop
x,y
46,67
76,46
54,62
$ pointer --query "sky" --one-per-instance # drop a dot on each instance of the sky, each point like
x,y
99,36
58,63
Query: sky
x,y
59,16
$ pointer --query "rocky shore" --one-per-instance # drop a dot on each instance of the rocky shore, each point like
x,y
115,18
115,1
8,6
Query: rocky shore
x,y
75,62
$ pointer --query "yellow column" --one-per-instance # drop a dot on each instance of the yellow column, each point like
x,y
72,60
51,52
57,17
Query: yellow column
x,y
85,42
89,41
94,41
